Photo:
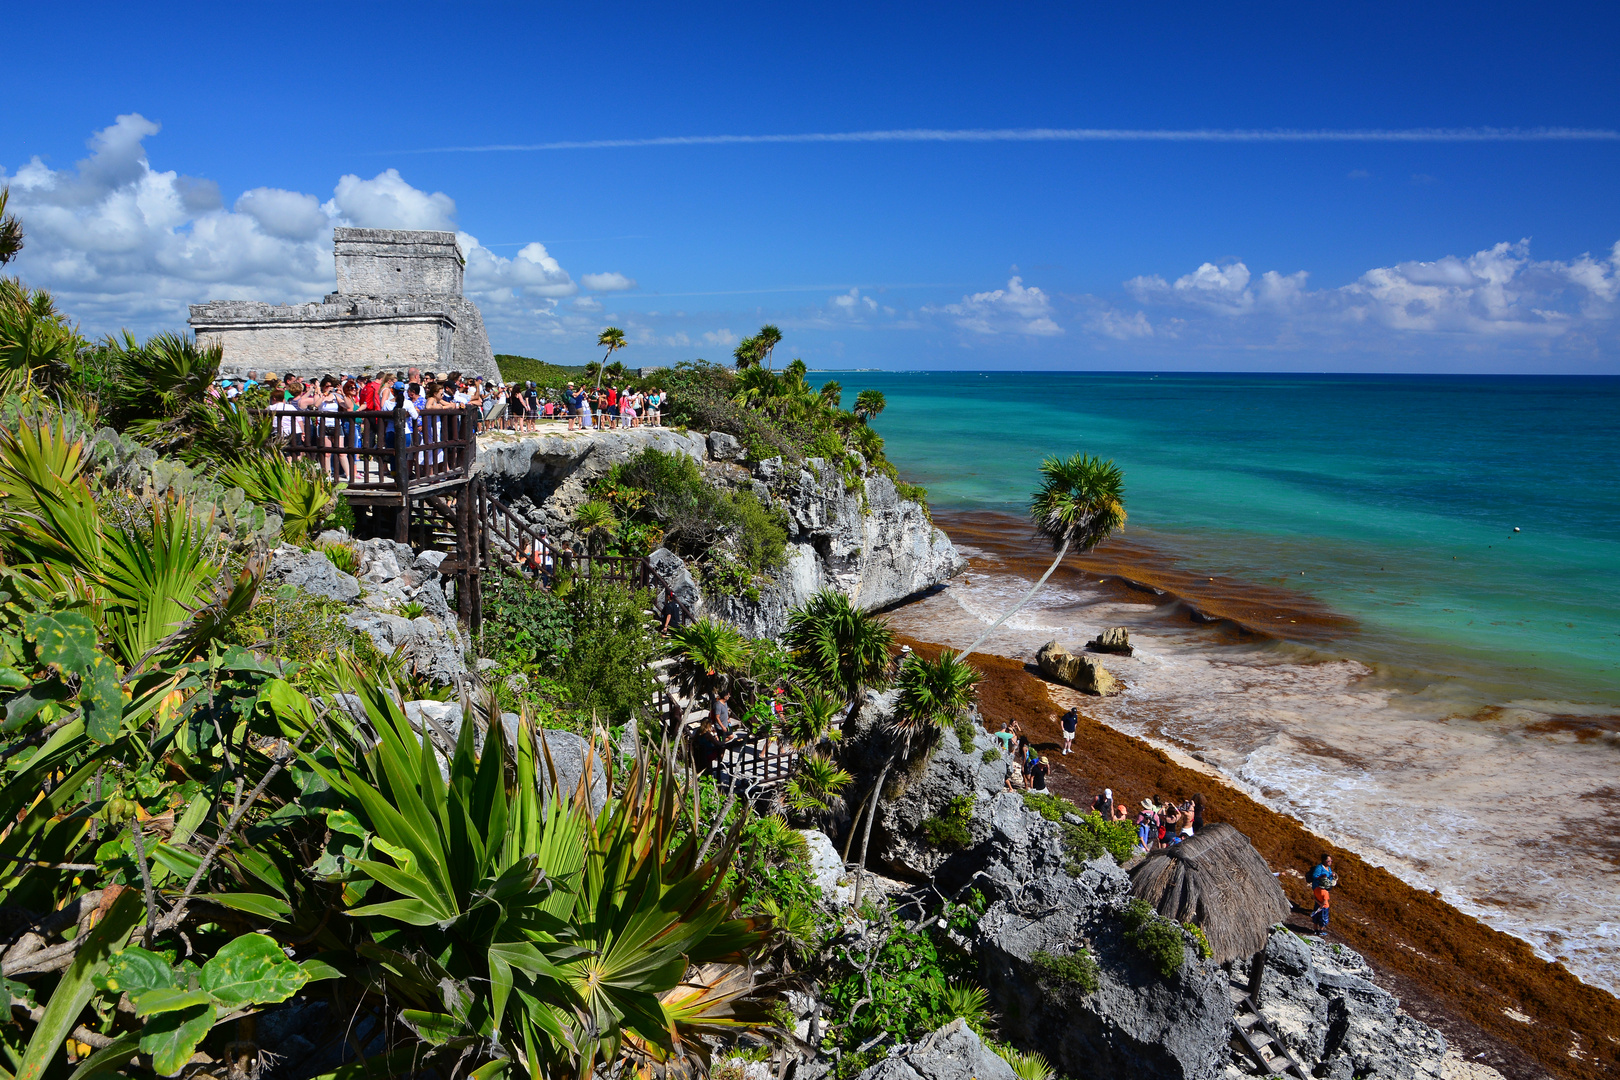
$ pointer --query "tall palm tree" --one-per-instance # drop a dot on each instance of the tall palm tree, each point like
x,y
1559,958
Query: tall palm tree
x,y
709,652
868,403
932,694
839,646
611,339
767,338
11,233
1081,501
831,394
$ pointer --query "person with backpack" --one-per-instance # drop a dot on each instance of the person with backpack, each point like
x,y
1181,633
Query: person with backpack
x,y
1322,880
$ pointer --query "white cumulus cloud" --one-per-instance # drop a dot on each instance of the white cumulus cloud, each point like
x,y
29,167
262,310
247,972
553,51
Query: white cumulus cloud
x,y
1019,308
386,201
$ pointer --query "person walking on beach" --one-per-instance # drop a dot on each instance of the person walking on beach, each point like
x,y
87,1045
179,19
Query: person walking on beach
x,y
1070,720
1322,879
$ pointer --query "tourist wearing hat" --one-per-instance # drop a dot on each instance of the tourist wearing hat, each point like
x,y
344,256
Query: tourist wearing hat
x,y
1037,773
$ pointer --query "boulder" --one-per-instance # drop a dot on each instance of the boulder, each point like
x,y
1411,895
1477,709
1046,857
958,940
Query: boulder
x,y
1116,639
953,1052
673,569
311,572
724,447
568,753
1081,672
827,868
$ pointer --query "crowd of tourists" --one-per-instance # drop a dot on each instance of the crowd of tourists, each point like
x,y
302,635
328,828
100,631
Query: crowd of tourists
x,y
512,406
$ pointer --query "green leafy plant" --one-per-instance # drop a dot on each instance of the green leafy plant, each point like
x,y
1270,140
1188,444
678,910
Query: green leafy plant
x,y
990,756
344,556
948,829
817,784
969,1002
1078,969
412,609
1162,939
298,489
1026,1064
964,733
1204,949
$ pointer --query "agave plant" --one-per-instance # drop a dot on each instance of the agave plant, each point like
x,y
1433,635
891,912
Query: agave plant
x,y
504,918
297,488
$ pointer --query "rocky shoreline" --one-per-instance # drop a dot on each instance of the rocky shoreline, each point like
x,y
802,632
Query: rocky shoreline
x,y
1491,996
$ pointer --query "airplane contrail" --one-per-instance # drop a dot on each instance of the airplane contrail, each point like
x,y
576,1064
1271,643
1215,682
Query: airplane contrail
x,y
989,135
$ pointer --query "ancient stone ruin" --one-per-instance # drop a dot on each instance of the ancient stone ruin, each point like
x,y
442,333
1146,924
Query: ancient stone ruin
x,y
398,305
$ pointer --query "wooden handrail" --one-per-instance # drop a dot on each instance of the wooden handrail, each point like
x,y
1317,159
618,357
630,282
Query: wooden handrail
x,y
363,448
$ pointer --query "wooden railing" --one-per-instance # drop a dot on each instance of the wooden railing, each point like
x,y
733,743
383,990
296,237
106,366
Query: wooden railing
x,y
541,559
382,451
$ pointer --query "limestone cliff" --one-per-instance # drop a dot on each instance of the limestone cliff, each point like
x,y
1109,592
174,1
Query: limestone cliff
x,y
861,538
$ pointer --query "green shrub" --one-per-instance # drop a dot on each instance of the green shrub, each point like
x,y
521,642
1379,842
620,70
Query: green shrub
x,y
964,734
1078,969
525,627
1049,806
1026,1064
1091,837
346,557
606,671
298,628
1160,938
543,375
990,755
1204,948
949,830
902,989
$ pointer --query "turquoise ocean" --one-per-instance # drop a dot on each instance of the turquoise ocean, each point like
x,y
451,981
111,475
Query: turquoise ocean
x,y
1396,496
1432,688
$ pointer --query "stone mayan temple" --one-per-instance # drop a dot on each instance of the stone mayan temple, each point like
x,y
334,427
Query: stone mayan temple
x,y
398,305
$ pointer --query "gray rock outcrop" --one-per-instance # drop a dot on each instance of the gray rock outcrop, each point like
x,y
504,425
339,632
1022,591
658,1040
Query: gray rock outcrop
x,y
388,576
861,538
953,1052
1324,1005
1081,672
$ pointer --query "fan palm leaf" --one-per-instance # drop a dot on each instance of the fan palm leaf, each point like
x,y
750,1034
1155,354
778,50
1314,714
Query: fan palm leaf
x,y
838,646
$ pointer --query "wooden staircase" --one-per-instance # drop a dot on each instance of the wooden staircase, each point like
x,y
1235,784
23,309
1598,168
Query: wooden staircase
x,y
1253,1034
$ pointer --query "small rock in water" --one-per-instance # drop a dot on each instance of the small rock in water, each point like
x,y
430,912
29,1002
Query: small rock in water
x,y
1116,639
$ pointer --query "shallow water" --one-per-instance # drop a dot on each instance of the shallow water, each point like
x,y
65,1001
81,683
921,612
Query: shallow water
x,y
1438,715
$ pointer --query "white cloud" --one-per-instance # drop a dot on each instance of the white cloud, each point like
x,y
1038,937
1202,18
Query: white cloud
x,y
1116,324
386,201
722,338
123,244
609,282
1498,291
853,301
1016,309
587,303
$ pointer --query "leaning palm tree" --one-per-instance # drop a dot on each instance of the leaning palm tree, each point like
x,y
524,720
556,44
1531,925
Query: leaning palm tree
x,y
1080,503
611,339
868,403
932,694
831,394
839,646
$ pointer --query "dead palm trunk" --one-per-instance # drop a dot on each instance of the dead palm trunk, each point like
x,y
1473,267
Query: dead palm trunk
x,y
1062,551
876,800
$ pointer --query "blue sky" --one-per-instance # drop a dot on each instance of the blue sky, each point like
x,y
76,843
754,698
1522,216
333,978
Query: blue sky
x,y
226,140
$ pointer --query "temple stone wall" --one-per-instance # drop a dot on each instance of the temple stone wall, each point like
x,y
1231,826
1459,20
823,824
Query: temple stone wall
x,y
322,339
396,262
398,305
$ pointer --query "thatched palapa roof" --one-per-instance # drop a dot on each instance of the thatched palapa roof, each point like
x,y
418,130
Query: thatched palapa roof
x,y
1217,881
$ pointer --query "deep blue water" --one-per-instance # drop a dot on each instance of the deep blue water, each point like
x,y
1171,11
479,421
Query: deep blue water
x,y
1396,495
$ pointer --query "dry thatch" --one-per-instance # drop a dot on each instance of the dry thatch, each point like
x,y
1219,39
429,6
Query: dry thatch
x,y
1217,881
